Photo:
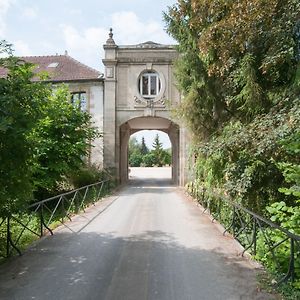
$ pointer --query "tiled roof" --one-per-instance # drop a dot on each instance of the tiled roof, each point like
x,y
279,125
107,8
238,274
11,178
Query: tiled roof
x,y
60,68
3,72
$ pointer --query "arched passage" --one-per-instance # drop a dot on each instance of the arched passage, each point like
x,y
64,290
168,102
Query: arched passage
x,y
148,123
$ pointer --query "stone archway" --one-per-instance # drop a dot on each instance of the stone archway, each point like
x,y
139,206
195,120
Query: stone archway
x,y
148,123
139,89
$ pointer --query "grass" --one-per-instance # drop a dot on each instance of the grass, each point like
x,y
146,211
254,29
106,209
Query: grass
x,y
287,291
23,237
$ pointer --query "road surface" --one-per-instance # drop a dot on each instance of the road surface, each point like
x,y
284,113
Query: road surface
x,y
148,241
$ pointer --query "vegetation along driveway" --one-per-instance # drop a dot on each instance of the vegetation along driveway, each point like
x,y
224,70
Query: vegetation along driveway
x,y
148,241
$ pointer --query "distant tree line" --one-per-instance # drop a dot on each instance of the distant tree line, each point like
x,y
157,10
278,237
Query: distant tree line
x,y
141,156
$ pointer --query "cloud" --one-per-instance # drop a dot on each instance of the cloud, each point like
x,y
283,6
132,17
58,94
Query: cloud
x,y
75,12
4,6
136,30
30,13
86,44
21,48
90,37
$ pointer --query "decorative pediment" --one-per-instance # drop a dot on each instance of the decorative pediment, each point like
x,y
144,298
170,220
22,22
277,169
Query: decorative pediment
x,y
149,44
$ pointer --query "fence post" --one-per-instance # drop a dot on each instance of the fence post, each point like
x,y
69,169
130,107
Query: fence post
x,y
41,221
63,209
43,224
254,236
231,224
292,260
100,191
7,237
85,195
94,195
9,241
291,271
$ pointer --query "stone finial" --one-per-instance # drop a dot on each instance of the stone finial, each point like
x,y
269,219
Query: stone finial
x,y
110,33
110,40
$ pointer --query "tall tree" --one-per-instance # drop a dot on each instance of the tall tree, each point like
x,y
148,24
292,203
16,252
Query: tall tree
x,y
239,74
144,148
157,144
21,103
234,56
42,136
158,151
62,138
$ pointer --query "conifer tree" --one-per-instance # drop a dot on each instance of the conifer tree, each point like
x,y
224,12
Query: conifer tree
x,y
144,148
158,151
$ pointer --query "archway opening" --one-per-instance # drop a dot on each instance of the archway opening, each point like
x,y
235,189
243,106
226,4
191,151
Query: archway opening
x,y
150,156
169,134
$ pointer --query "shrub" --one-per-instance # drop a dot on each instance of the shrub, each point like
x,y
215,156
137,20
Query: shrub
x,y
85,176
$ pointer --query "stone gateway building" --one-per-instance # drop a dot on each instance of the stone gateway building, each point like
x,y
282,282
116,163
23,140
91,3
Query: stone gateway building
x,y
139,89
136,93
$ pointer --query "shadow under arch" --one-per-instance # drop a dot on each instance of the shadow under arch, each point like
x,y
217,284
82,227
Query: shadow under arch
x,y
134,125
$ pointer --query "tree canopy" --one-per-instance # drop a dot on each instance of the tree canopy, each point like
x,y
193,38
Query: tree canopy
x,y
42,136
235,55
239,74
61,138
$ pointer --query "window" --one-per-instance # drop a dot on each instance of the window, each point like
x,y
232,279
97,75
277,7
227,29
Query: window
x,y
149,85
79,99
53,65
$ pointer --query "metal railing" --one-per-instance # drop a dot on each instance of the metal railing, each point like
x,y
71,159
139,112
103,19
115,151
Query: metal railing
x,y
277,248
39,217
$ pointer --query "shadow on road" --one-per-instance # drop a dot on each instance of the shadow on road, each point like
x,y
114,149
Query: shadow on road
x,y
162,183
152,265
143,243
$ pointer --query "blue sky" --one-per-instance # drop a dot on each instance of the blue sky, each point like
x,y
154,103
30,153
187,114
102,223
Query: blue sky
x,y
47,27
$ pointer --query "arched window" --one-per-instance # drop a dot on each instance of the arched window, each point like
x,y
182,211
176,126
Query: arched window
x,y
149,84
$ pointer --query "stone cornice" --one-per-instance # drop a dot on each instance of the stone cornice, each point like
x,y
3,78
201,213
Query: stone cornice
x,y
135,60
109,62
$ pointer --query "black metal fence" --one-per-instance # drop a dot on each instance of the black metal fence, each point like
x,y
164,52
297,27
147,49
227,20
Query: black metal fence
x,y
21,229
277,248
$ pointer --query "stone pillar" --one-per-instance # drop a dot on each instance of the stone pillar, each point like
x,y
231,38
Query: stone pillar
x,y
124,138
174,138
109,122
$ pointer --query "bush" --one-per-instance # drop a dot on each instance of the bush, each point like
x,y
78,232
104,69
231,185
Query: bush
x,y
85,176
135,159
149,159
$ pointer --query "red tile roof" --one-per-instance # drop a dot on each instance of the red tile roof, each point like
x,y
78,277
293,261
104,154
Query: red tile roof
x,y
60,68
3,72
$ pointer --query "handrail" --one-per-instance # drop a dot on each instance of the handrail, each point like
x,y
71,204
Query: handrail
x,y
261,218
46,211
66,193
246,231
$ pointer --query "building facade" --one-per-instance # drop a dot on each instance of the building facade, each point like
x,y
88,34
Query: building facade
x,y
136,93
139,92
85,85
